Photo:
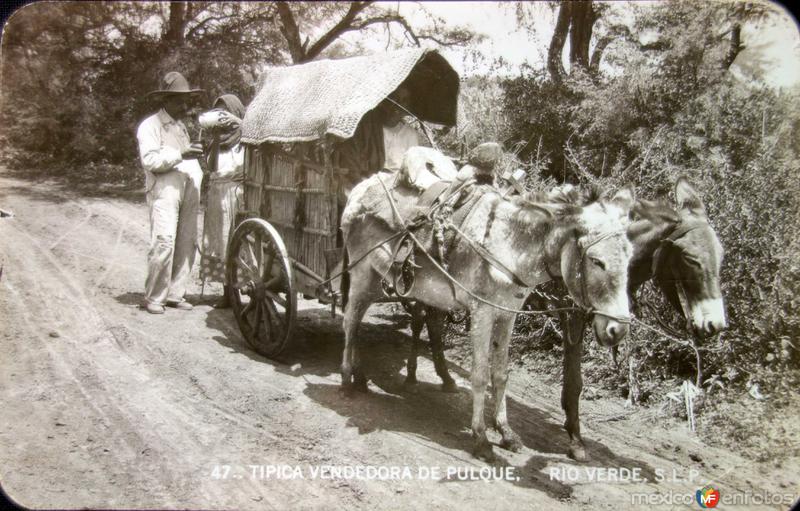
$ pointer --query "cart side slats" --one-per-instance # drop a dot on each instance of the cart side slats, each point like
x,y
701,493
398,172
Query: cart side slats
x,y
298,199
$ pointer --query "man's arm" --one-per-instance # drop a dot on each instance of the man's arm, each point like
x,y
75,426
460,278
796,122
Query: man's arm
x,y
154,156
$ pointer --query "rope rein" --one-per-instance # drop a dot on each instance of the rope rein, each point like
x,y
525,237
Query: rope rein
x,y
406,233
473,295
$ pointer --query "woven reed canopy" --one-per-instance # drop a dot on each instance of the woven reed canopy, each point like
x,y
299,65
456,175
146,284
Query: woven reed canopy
x,y
305,102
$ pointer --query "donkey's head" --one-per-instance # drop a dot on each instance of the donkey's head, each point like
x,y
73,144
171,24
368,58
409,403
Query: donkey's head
x,y
594,264
687,263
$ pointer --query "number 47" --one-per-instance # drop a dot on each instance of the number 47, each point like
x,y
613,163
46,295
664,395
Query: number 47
x,y
220,471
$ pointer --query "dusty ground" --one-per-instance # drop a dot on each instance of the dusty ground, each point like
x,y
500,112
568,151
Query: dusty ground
x,y
106,406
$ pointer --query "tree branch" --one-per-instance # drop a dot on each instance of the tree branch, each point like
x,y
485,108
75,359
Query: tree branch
x,y
191,33
597,54
344,25
735,47
389,18
617,31
455,38
352,22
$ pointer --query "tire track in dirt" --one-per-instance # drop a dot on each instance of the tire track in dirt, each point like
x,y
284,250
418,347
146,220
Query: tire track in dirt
x,y
89,215
115,254
96,323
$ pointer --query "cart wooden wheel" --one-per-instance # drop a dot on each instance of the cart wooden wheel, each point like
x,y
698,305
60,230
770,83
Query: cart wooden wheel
x,y
262,286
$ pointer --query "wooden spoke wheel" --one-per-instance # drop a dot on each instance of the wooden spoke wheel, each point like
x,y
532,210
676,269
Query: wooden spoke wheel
x,y
262,286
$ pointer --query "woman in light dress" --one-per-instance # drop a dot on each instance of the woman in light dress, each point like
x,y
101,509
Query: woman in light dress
x,y
226,178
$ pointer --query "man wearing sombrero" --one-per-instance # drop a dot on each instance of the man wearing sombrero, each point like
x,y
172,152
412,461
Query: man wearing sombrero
x,y
172,184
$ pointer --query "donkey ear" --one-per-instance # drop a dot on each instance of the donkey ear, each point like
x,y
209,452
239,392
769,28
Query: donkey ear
x,y
644,208
687,198
654,211
624,199
552,209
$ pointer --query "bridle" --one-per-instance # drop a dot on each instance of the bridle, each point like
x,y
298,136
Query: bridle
x,y
583,247
680,230
493,261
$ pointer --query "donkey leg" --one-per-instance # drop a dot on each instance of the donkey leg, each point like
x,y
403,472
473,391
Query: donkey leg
x,y
359,378
435,319
417,322
358,302
480,335
573,326
501,336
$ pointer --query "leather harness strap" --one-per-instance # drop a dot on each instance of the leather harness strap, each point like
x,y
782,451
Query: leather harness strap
x,y
500,266
679,230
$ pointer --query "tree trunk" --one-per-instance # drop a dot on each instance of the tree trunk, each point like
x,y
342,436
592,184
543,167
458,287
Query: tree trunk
x,y
576,18
174,36
291,32
580,33
554,64
597,54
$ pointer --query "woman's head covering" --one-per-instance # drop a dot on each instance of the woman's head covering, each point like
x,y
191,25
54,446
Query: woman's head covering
x,y
225,140
232,104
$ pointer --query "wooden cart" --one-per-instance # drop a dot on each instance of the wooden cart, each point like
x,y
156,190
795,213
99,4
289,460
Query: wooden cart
x,y
311,132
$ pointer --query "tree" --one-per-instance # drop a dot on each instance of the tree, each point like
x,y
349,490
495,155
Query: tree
x,y
577,19
74,73
673,107
350,17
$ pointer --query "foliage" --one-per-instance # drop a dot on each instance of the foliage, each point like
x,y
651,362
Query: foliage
x,y
670,108
480,117
74,74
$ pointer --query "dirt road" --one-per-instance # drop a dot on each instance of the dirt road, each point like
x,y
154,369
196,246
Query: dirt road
x,y
106,406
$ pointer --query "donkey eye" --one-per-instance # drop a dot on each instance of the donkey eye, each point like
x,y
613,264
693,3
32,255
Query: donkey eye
x,y
691,261
597,262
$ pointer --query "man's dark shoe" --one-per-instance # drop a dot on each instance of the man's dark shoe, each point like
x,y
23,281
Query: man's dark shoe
x,y
181,306
222,303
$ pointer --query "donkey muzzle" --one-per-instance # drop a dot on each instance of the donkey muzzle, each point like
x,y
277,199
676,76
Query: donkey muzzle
x,y
707,318
608,331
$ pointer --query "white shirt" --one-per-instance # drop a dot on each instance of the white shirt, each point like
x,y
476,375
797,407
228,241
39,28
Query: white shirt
x,y
230,164
162,140
396,141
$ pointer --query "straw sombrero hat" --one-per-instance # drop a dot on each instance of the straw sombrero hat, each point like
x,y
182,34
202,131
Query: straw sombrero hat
x,y
173,83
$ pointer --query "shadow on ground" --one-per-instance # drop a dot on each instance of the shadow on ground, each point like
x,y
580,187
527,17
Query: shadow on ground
x,y
137,298
66,187
424,412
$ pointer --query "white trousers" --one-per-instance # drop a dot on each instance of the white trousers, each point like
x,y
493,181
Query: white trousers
x,y
173,201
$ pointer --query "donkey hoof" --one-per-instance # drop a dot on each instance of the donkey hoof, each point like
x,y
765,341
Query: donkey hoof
x,y
347,388
578,453
449,386
360,384
411,387
511,442
483,450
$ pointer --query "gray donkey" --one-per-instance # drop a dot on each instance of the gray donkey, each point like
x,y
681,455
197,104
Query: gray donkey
x,y
531,243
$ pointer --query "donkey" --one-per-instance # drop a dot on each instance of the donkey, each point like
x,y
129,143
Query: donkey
x,y
585,245
676,246
678,249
